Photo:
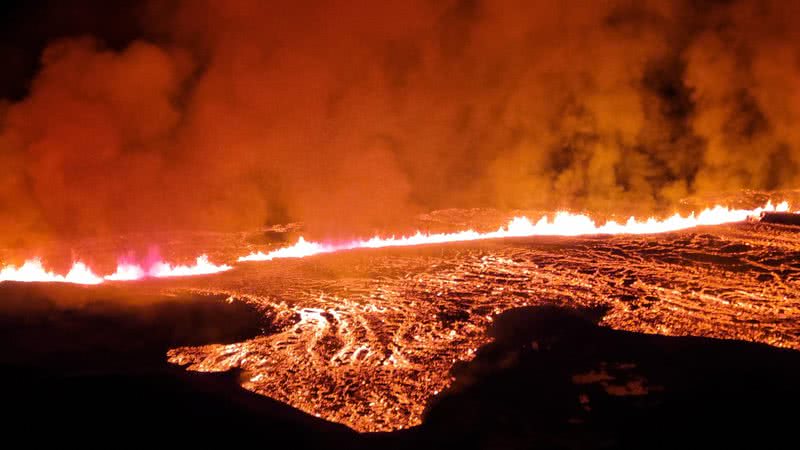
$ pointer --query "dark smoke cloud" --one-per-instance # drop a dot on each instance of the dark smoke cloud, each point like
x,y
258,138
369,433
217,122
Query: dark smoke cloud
x,y
353,115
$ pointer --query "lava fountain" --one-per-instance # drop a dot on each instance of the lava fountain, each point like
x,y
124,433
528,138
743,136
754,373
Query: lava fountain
x,y
160,269
33,271
563,224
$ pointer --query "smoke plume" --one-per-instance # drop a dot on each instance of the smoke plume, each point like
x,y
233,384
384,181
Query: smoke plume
x,y
351,115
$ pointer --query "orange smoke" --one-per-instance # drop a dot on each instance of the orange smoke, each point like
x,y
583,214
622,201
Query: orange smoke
x,y
351,115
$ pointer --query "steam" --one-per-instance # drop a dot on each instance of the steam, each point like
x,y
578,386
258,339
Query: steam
x,y
353,115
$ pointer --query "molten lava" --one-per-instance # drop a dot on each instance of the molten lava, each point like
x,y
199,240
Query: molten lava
x,y
563,224
368,338
365,339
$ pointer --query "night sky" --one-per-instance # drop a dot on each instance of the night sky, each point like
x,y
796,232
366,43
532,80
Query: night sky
x,y
28,26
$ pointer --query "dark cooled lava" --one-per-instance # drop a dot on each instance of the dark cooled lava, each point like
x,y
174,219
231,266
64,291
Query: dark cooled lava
x,y
366,338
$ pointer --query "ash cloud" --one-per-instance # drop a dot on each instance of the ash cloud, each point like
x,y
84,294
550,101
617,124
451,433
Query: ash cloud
x,y
354,115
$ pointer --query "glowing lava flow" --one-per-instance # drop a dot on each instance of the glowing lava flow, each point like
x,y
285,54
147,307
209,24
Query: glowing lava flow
x,y
32,270
563,224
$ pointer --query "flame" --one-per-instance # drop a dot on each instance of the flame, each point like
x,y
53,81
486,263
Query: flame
x,y
126,272
160,269
562,224
33,270
202,267
129,272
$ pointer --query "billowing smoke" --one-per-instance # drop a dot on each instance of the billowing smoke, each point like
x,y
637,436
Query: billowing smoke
x,y
351,115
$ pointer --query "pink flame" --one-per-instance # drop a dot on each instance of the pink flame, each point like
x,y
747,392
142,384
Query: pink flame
x,y
127,271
